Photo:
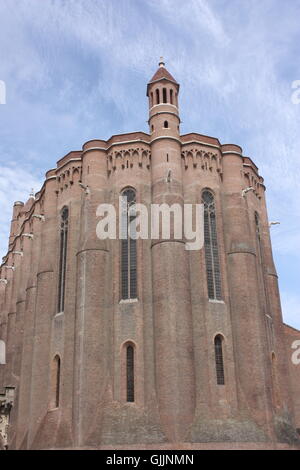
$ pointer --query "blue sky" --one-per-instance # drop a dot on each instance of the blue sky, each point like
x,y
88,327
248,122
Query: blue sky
x,y
77,69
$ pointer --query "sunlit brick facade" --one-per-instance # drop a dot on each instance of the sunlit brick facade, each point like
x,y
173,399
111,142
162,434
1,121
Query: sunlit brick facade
x,y
146,345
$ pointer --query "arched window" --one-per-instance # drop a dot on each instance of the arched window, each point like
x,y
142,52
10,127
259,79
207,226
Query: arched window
x,y
171,96
64,221
2,352
166,125
164,95
219,360
213,272
55,383
157,96
130,373
128,246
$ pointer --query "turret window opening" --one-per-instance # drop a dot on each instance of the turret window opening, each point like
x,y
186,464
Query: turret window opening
x,y
164,95
157,96
171,96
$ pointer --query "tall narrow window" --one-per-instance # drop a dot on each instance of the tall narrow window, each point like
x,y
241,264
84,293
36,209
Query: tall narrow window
x,y
55,383
213,271
63,258
171,96
219,360
166,125
157,96
130,373
164,95
151,101
128,247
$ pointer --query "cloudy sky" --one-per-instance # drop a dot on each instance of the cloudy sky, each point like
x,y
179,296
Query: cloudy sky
x,y
77,69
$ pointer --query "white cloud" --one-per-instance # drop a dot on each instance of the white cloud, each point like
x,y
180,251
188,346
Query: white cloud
x,y
77,69
193,15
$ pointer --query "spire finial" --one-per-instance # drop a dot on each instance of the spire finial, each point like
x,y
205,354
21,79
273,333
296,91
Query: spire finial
x,y
161,62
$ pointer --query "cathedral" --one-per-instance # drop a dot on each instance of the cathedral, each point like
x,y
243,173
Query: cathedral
x,y
141,343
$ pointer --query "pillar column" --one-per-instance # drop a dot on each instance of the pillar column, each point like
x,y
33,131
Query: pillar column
x,y
93,316
45,310
249,333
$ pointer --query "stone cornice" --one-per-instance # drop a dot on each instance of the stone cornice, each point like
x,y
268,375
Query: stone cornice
x,y
164,112
163,137
198,142
68,161
125,142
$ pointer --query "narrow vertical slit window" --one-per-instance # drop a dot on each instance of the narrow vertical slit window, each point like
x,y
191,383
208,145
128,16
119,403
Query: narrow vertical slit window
x,y
157,95
213,271
164,95
55,382
128,247
63,258
219,360
130,373
171,96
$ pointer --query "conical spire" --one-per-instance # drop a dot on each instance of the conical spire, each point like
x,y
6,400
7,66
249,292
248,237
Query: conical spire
x,y
162,73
